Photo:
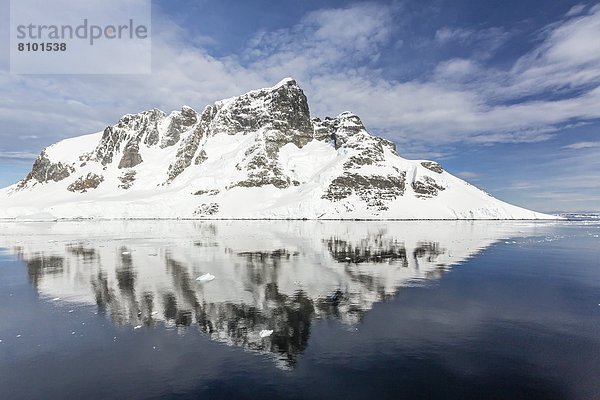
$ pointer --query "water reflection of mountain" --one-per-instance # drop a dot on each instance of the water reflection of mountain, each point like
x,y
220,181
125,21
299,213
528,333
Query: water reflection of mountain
x,y
273,275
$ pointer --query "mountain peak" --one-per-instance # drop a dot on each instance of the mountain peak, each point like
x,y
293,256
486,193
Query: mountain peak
x,y
285,82
282,108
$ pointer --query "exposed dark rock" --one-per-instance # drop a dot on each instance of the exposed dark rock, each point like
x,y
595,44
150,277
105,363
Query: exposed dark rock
x,y
261,162
131,155
282,112
82,184
130,131
44,170
433,166
265,177
283,115
180,122
358,161
387,143
152,137
201,157
189,147
348,131
185,154
150,128
108,146
426,187
209,192
321,131
127,179
375,190
338,130
207,209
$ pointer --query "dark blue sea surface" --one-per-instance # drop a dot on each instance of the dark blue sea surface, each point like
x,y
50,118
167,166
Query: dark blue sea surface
x,y
300,310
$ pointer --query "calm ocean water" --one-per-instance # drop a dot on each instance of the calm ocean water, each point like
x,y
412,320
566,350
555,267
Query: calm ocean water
x,y
300,310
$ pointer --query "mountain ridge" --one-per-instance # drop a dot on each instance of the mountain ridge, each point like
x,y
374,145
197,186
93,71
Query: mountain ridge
x,y
259,155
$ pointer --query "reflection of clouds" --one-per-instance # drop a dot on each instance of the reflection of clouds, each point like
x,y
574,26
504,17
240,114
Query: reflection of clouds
x,y
270,274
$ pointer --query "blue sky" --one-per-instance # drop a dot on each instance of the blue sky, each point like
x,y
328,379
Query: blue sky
x,y
505,94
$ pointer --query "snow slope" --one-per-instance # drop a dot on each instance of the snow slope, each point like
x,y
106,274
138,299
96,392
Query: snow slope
x,y
256,156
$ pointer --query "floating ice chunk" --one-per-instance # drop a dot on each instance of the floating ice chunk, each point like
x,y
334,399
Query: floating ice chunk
x,y
18,336
72,333
126,253
56,299
348,259
137,327
71,311
265,333
205,278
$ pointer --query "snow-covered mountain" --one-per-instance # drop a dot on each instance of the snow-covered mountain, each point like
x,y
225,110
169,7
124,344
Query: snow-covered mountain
x,y
259,155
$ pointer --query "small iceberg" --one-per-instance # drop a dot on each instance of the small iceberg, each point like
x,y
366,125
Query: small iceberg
x,y
205,278
126,253
265,333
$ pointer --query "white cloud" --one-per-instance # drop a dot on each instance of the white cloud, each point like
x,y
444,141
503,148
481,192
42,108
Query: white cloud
x,y
446,34
484,42
581,145
17,155
569,57
575,10
457,69
331,53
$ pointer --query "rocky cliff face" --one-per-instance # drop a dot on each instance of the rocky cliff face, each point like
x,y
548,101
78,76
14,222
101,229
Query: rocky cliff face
x,y
258,155
44,170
